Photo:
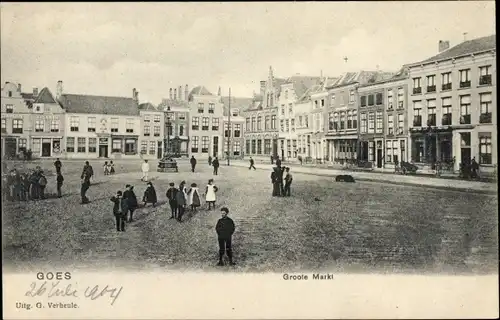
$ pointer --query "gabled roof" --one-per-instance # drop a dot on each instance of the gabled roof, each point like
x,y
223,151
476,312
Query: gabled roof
x,y
172,103
147,106
465,48
401,74
80,103
45,96
199,91
242,104
361,77
301,84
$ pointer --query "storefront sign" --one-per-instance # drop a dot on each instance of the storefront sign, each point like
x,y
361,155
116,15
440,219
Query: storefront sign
x,y
103,141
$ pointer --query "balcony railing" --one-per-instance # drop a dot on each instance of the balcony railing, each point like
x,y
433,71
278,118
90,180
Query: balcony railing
x,y
446,86
485,80
431,121
446,119
465,84
465,119
417,121
417,90
431,88
485,117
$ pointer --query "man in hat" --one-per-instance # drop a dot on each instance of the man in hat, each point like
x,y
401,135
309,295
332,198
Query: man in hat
x,y
193,163
225,229
132,204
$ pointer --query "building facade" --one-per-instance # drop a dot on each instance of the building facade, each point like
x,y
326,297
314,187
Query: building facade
x,y
101,126
234,127
206,112
453,106
303,121
176,113
153,131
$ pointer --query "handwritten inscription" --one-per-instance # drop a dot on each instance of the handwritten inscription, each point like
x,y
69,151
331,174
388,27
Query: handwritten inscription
x,y
56,289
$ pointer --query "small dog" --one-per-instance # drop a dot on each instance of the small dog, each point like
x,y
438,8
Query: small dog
x,y
344,178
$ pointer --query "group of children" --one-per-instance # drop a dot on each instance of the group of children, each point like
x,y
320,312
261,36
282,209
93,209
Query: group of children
x,y
109,168
30,185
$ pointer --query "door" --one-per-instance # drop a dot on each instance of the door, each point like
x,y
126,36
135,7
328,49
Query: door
x,y
160,150
465,155
103,151
46,148
215,147
379,158
10,147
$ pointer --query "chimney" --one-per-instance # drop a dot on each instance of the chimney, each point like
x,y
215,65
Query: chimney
x,y
59,89
186,93
136,96
18,87
219,92
180,92
175,94
443,45
134,91
170,94
35,92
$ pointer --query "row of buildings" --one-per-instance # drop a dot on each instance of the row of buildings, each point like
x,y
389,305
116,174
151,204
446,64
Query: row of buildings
x,y
439,109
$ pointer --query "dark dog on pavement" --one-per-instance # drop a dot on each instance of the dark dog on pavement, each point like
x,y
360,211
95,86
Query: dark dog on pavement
x,y
344,178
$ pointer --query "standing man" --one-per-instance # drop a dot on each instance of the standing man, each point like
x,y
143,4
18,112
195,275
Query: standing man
x,y
193,163
180,200
288,182
88,169
252,164
58,165
278,161
225,229
59,180
474,168
119,211
145,171
86,174
281,172
172,199
215,163
132,204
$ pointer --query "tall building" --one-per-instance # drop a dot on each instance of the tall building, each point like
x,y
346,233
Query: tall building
x,y
153,130
261,129
453,105
234,126
206,112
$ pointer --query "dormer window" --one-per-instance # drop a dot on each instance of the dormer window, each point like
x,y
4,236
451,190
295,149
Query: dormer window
x,y
38,108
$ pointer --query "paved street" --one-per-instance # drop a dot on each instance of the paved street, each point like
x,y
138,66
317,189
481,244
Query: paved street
x,y
365,226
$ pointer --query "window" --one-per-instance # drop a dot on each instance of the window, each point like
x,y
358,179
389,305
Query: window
x,y
317,121
226,130
82,144
287,122
431,112
181,130
485,75
147,131
417,113
485,103
390,124
181,116
286,94
201,107
349,119
237,148
237,130
371,100
9,108
129,125
93,145
254,146
156,131
389,99
446,110
152,147
4,125
211,107
417,85
342,120
194,147
363,101
114,125
363,128
22,143
156,118
259,146
465,109
331,121
315,104
247,124
446,81
464,78
401,123
391,150
332,99
283,108
351,96
253,124
290,106
354,119
267,123
485,149
380,122
401,97
131,146
39,124
273,122
74,123
300,121
70,144
379,99
431,83
371,151
144,147
371,122
205,123
196,123
54,125
247,146
147,119
91,124
204,144
259,123
267,146
37,142
282,125
306,120
17,126
116,146
215,124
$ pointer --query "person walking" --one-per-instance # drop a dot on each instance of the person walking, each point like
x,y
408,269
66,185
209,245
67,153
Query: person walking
x,y
111,167
193,199
474,168
119,211
43,184
215,164
278,161
150,195
180,200
252,164
288,182
85,186
59,180
172,196
132,204
58,165
225,228
106,168
88,170
145,170
193,163
209,160
210,196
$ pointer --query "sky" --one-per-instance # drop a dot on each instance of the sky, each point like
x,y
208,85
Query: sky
x,y
111,48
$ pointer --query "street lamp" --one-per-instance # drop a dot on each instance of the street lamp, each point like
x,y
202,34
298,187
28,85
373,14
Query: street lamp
x,y
169,130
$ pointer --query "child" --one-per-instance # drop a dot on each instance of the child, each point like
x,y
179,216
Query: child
x,y
111,167
172,196
210,191
149,195
193,197
43,183
106,168
59,180
119,210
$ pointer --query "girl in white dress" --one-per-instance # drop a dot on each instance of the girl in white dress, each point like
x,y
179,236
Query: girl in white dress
x,y
210,191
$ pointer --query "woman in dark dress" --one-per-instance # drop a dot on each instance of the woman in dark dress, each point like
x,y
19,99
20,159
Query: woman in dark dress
x,y
150,195
275,180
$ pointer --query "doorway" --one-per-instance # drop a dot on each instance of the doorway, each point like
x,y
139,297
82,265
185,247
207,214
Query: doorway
x,y
46,148
160,150
465,155
380,158
103,151
10,147
215,148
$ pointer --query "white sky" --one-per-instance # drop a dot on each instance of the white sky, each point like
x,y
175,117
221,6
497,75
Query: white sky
x,y
108,49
